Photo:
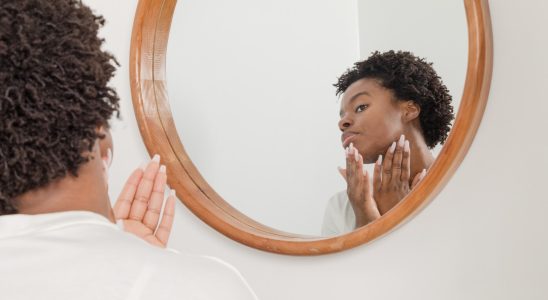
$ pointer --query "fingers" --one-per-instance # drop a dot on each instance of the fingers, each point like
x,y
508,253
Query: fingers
x,y
164,230
342,171
397,161
356,161
367,187
352,158
418,178
406,163
387,165
377,174
152,215
363,204
371,209
124,201
142,196
354,175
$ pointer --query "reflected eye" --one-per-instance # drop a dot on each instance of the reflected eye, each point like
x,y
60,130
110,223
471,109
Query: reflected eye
x,y
361,108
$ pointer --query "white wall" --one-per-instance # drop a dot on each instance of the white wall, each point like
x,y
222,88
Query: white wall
x,y
483,237
250,88
431,29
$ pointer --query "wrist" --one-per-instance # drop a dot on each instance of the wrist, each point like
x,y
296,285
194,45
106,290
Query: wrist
x,y
361,218
385,207
360,222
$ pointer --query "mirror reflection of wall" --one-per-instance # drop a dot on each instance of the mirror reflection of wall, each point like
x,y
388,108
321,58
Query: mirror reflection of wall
x,y
251,91
435,30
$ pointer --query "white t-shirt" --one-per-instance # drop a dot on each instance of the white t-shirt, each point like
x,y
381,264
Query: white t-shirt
x,y
339,217
82,255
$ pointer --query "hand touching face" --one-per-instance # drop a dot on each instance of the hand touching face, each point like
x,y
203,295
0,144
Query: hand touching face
x,y
390,181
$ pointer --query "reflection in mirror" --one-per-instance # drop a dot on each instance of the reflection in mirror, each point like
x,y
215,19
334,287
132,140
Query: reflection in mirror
x,y
394,110
251,91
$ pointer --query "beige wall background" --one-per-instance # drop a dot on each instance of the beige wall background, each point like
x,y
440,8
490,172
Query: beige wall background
x,y
485,235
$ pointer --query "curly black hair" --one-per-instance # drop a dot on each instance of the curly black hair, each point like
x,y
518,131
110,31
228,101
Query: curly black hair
x,y
410,78
54,92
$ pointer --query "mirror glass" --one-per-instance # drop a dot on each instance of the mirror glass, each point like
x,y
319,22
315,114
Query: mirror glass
x,y
251,91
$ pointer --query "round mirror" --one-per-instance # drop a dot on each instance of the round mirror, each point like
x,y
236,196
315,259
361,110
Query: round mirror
x,y
251,97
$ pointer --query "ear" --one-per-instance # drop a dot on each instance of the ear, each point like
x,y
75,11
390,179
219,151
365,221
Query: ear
x,y
105,144
410,110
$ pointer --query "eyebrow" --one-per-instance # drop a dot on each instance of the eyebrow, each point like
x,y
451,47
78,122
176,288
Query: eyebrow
x,y
354,98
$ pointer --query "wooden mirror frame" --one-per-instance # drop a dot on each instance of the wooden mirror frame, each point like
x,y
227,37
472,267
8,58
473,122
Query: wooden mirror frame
x,y
150,100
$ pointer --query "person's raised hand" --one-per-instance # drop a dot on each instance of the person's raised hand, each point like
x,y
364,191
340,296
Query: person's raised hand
x,y
359,189
140,204
391,176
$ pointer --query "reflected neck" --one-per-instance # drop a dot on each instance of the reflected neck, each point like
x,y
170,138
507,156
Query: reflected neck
x,y
421,156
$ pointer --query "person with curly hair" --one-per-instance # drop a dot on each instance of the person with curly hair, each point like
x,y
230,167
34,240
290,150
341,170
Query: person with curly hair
x,y
394,104
60,237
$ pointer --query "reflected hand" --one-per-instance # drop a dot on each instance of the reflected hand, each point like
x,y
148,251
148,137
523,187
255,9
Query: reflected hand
x,y
391,177
359,189
140,202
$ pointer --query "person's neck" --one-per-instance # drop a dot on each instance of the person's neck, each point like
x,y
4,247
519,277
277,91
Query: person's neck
x,y
86,192
421,156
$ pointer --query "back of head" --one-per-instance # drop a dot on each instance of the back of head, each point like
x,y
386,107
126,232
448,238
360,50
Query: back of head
x,y
54,92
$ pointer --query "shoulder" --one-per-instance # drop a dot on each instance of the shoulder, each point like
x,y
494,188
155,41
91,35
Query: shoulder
x,y
89,252
339,216
339,201
169,274
181,275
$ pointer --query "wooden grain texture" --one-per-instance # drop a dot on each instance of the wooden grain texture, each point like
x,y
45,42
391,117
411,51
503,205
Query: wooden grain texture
x,y
151,104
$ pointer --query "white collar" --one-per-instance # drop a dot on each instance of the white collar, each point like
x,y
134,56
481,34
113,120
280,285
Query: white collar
x,y
21,224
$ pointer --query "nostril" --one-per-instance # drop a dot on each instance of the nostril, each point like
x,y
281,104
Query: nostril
x,y
344,123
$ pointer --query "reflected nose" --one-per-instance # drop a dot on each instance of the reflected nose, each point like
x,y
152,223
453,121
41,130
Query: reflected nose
x,y
344,123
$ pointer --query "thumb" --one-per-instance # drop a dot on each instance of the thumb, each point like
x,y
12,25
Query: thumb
x,y
342,171
418,178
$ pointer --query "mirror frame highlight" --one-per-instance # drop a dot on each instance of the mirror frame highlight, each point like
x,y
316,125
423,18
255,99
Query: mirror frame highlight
x,y
151,105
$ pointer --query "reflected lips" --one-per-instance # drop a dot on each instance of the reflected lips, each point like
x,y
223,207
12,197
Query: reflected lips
x,y
346,138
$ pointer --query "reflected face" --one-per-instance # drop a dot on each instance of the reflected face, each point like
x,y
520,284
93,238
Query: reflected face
x,y
371,118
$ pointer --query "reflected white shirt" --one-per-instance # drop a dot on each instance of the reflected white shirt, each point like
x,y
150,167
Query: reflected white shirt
x,y
82,255
339,217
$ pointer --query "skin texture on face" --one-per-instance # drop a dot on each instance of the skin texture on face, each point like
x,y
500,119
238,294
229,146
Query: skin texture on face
x,y
371,118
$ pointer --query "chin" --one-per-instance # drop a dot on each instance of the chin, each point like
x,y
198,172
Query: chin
x,y
371,155
368,158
